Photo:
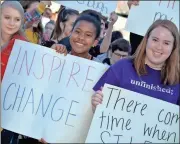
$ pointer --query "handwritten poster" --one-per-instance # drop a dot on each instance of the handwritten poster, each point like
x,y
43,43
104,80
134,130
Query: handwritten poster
x,y
105,7
129,117
142,16
48,95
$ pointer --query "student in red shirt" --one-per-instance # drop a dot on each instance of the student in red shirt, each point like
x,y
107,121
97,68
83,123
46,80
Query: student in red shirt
x,y
12,20
12,23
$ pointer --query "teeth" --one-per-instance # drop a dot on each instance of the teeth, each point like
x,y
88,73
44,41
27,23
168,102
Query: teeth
x,y
157,53
79,44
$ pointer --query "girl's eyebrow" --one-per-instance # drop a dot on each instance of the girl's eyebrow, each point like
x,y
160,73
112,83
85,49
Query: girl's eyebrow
x,y
10,15
158,38
85,31
6,14
77,29
154,37
18,17
89,32
167,41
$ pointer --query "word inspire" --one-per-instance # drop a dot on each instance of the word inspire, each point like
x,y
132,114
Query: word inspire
x,y
53,68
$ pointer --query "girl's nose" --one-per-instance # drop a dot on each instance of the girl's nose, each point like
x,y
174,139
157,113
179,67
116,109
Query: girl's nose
x,y
11,22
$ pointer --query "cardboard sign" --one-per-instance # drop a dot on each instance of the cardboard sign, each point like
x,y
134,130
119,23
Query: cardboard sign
x,y
129,117
142,16
105,7
48,95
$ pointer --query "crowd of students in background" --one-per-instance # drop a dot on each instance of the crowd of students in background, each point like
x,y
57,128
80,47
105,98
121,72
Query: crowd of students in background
x,y
90,35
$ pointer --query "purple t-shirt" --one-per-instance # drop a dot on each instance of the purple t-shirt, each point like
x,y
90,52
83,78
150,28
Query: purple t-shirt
x,y
123,74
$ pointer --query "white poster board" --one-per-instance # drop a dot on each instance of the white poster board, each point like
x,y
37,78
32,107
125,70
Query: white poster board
x,y
105,7
47,95
142,16
129,117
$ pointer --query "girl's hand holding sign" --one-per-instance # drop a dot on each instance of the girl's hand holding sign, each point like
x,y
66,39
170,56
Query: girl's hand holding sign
x,y
60,49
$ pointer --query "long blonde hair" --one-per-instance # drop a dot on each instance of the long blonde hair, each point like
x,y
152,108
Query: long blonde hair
x,y
170,71
15,5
